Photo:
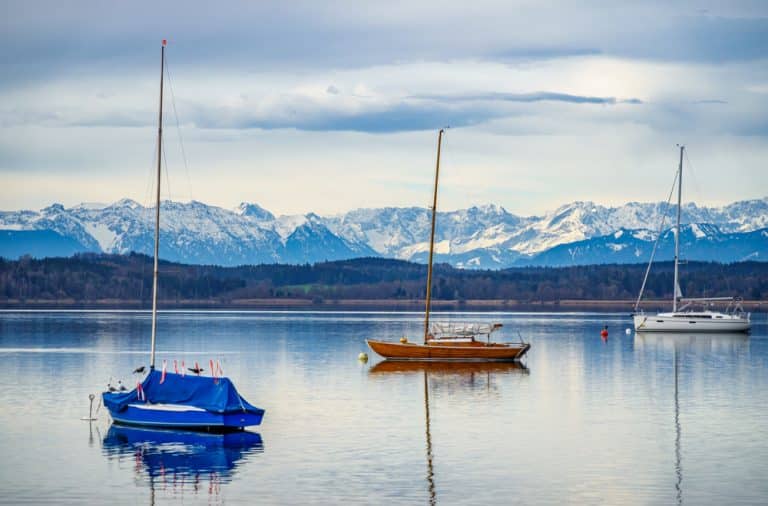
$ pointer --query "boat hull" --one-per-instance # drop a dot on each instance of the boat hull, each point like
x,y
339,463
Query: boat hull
x,y
465,352
178,417
667,323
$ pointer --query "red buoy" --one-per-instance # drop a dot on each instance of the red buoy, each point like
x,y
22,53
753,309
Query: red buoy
x,y
604,332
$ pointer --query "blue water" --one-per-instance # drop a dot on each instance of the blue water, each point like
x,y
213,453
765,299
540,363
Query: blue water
x,y
634,419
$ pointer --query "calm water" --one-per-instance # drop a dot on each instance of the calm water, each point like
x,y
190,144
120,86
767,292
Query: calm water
x,y
639,420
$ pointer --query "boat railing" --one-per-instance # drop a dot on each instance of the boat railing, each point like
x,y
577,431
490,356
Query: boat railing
x,y
734,306
442,330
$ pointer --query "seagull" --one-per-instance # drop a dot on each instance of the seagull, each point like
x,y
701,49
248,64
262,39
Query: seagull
x,y
122,387
139,370
196,370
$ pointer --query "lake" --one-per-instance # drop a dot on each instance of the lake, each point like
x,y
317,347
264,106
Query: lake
x,y
653,419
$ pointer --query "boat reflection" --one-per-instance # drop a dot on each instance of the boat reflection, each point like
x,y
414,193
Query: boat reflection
x,y
471,375
719,342
447,368
678,344
179,461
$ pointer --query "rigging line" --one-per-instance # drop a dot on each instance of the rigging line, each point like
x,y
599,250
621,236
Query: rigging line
x,y
656,243
145,213
692,180
167,177
178,129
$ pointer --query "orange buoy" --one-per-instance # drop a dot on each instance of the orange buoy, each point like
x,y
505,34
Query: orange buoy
x,y
604,332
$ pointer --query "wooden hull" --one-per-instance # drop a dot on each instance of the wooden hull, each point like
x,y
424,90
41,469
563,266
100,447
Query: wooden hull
x,y
462,352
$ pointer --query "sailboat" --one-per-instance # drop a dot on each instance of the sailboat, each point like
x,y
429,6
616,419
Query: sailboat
x,y
684,316
174,400
449,341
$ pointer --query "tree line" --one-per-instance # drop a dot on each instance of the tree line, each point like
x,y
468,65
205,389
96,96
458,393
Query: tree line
x,y
94,277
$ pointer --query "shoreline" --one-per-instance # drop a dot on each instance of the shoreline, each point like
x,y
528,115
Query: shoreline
x,y
757,306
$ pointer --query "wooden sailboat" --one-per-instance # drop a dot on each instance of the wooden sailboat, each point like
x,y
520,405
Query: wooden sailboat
x,y
449,341
166,399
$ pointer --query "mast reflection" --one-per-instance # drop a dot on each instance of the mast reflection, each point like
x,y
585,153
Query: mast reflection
x,y
463,375
678,343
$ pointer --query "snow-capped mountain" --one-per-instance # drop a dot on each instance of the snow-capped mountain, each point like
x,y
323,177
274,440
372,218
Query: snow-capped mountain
x,y
479,237
697,242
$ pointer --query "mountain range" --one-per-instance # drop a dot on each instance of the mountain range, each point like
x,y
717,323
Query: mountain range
x,y
487,237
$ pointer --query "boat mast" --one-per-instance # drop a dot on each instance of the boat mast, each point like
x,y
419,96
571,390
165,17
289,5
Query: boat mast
x,y
432,238
677,227
157,209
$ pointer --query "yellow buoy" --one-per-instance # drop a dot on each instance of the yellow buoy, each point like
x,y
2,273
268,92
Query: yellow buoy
x,y
403,339
363,357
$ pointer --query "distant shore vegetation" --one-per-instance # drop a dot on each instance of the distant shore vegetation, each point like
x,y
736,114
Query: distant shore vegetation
x,y
126,281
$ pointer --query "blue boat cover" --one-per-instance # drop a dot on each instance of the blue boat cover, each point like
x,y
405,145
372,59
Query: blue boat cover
x,y
217,395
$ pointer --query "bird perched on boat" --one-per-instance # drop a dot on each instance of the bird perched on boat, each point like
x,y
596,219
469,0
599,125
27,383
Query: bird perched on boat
x,y
121,386
139,370
110,388
197,370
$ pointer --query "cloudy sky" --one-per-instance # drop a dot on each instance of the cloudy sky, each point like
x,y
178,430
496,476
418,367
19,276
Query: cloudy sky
x,y
328,106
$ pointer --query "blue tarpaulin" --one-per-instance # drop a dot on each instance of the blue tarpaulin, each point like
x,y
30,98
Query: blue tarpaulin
x,y
217,395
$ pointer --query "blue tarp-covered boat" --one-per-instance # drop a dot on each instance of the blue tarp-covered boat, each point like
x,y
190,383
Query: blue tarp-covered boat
x,y
183,401
174,400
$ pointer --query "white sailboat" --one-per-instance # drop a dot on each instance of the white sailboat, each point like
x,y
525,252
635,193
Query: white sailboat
x,y
690,314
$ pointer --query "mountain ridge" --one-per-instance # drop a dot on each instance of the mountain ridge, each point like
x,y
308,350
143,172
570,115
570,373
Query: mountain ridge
x,y
486,236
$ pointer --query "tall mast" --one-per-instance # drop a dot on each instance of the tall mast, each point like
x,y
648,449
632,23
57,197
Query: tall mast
x,y
432,238
677,227
157,209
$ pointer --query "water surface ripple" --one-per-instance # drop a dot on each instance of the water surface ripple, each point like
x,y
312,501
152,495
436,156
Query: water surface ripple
x,y
634,419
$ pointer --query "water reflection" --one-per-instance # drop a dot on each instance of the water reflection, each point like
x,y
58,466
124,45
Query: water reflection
x,y
179,461
721,342
459,375
679,343
455,377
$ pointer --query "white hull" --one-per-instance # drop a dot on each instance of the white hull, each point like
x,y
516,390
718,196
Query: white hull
x,y
691,322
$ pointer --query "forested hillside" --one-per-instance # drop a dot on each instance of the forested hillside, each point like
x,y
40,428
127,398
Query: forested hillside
x,y
92,277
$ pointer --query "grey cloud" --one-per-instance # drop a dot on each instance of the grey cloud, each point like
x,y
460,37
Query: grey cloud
x,y
98,37
401,117
539,96
414,113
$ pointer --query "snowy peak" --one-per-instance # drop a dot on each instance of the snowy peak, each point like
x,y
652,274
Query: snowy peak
x,y
254,211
